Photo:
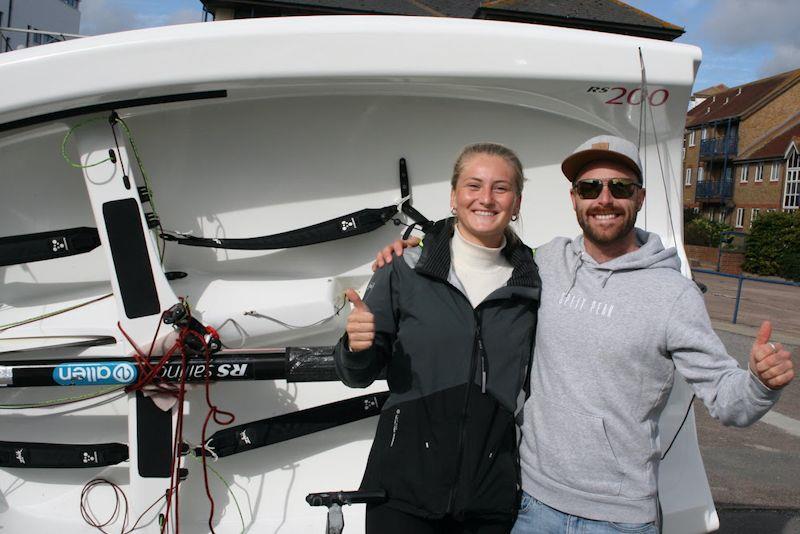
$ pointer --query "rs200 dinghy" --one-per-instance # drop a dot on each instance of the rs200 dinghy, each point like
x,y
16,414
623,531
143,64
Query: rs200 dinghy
x,y
231,179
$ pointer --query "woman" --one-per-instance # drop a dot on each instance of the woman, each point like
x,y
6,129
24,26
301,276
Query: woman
x,y
453,326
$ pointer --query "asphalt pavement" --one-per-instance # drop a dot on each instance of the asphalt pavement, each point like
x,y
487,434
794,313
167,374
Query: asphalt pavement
x,y
754,472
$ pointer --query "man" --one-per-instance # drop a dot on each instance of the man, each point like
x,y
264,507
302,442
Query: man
x,y
616,320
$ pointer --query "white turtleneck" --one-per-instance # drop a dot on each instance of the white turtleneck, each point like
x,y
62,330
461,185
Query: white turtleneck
x,y
480,269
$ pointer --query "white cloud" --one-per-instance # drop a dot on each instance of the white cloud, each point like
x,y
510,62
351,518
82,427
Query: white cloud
x,y
738,23
767,28
184,16
99,16
786,57
106,16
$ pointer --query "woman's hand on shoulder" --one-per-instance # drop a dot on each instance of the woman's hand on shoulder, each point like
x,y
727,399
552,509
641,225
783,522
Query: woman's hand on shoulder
x,y
385,255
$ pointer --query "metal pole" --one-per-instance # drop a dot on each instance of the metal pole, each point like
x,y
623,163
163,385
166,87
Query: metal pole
x,y
738,297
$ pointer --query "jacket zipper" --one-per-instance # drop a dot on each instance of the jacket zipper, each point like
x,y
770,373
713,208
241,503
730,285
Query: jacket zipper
x,y
476,351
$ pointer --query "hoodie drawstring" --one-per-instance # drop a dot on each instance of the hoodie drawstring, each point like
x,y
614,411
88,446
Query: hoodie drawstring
x,y
578,265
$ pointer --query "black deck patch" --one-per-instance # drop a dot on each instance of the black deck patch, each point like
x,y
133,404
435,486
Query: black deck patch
x,y
153,438
131,261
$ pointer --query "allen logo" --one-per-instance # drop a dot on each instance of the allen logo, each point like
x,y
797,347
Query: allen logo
x,y
349,225
20,457
59,245
243,437
94,373
370,403
90,458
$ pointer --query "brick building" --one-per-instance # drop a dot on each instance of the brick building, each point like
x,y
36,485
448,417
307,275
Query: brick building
x,y
611,16
741,151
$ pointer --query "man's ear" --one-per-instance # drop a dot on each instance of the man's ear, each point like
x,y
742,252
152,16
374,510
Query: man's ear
x,y
573,199
640,201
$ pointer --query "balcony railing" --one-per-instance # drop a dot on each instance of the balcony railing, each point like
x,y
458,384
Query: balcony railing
x,y
719,147
714,190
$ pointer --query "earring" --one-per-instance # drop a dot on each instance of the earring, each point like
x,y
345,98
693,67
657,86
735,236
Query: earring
x,y
514,217
453,210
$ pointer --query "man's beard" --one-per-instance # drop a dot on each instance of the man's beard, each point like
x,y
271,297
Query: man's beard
x,y
607,238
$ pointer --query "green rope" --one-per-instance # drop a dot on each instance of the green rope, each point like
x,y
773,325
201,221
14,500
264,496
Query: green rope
x,y
163,249
227,486
139,163
8,326
69,134
129,135
64,400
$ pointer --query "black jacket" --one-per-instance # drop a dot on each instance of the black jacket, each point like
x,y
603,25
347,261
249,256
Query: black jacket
x,y
446,442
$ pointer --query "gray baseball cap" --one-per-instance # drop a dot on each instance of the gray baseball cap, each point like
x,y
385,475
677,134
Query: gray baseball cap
x,y
602,147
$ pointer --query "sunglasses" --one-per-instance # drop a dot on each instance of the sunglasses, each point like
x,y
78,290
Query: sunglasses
x,y
619,188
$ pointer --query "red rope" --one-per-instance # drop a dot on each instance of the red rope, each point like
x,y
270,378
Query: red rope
x,y
120,504
149,376
214,412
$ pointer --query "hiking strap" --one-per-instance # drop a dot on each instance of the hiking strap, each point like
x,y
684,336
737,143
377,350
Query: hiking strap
x,y
292,425
356,223
54,455
47,245
359,222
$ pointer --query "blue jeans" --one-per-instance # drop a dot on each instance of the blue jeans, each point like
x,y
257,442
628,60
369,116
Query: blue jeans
x,y
535,517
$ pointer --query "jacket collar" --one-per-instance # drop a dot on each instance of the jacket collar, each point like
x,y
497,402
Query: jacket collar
x,y
435,258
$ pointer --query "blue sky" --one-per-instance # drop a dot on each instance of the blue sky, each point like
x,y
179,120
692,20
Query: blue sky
x,y
742,40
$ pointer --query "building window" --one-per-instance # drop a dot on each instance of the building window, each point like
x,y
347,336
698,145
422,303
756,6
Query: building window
x,y
754,215
683,153
688,180
696,210
743,174
759,177
691,137
704,134
774,174
721,217
739,218
791,190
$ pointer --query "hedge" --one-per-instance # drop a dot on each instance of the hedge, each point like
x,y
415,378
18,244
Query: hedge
x,y
704,233
773,246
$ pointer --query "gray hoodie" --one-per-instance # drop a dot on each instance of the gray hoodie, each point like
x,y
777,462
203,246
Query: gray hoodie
x,y
609,339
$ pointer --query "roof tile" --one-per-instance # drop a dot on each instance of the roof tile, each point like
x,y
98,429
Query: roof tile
x,y
736,101
597,10
775,147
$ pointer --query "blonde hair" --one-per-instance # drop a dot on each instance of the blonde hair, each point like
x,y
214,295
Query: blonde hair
x,y
500,151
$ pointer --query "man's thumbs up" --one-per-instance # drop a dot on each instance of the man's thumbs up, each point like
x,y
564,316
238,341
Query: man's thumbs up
x,y
360,324
770,362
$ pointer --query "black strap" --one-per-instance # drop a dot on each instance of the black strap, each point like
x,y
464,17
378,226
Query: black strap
x,y
37,455
47,245
419,219
359,222
292,425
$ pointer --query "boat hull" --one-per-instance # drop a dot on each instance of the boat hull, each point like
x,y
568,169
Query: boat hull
x,y
284,124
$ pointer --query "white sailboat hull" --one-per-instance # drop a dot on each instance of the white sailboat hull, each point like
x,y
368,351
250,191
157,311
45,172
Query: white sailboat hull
x,y
310,118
